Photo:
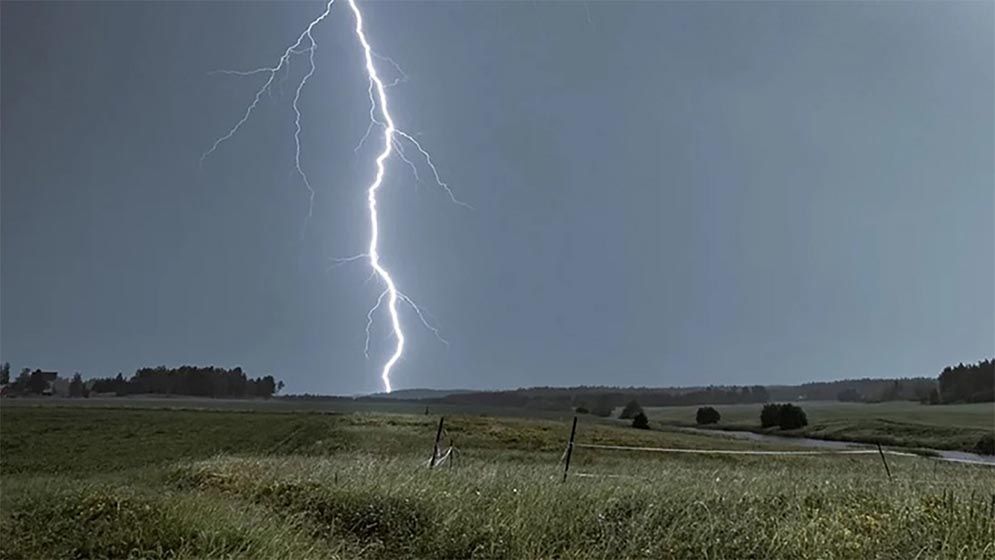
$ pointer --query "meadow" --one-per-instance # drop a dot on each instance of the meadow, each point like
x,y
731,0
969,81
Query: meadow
x,y
114,482
897,423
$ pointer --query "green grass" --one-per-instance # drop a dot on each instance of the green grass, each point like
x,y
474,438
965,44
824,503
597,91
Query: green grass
x,y
86,482
907,424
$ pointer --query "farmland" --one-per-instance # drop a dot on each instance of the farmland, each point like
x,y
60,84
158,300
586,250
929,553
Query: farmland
x,y
898,423
116,482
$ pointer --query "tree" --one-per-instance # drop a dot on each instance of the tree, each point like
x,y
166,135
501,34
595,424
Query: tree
x,y
5,373
20,385
640,421
770,415
968,383
707,415
631,409
120,385
76,386
602,406
892,392
849,395
760,394
792,417
985,445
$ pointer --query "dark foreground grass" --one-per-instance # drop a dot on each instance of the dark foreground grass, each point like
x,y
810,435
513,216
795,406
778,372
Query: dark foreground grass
x,y
356,486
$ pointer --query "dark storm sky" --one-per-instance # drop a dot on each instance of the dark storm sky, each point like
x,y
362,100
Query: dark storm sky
x,y
663,193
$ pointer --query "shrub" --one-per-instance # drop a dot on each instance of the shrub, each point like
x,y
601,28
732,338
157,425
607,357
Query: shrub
x,y
631,409
792,417
707,415
641,421
602,411
582,410
770,415
785,416
985,445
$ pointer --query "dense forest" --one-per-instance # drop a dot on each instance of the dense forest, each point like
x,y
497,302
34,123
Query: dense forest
x,y
196,381
970,383
189,380
857,390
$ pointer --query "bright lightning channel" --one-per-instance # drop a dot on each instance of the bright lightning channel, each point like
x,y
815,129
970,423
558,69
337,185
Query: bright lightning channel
x,y
377,91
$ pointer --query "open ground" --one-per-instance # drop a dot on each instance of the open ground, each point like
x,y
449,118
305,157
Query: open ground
x,y
116,482
897,423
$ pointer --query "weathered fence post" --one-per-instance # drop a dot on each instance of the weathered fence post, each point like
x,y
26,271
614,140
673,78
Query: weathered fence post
x,y
570,449
883,460
435,447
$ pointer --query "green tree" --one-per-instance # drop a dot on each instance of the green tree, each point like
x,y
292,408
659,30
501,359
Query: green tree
x,y
849,395
76,386
792,417
631,409
985,445
5,373
640,421
20,385
602,406
707,415
770,415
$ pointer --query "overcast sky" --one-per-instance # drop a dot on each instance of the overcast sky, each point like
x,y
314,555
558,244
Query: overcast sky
x,y
664,193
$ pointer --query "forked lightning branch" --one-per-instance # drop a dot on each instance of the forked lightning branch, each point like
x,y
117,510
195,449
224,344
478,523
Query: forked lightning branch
x,y
393,140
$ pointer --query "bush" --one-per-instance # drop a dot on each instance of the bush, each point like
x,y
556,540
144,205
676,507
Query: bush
x,y
770,415
641,421
631,409
582,410
985,445
707,415
792,417
785,416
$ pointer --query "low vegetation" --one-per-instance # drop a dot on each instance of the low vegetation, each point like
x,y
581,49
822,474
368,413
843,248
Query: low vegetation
x,y
906,424
784,416
707,415
115,483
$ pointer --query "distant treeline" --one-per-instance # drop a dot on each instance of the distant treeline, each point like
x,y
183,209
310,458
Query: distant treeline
x,y
194,381
970,383
600,399
857,390
973,383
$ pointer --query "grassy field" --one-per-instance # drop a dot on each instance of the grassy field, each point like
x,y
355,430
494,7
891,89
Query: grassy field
x,y
900,423
90,482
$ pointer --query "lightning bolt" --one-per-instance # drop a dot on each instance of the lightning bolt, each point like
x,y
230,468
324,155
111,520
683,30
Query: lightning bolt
x,y
393,139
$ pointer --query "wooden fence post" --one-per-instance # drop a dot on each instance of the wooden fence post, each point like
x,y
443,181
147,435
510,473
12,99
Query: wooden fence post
x,y
570,449
435,447
883,460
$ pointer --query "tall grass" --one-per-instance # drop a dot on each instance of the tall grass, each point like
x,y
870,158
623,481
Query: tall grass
x,y
357,487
